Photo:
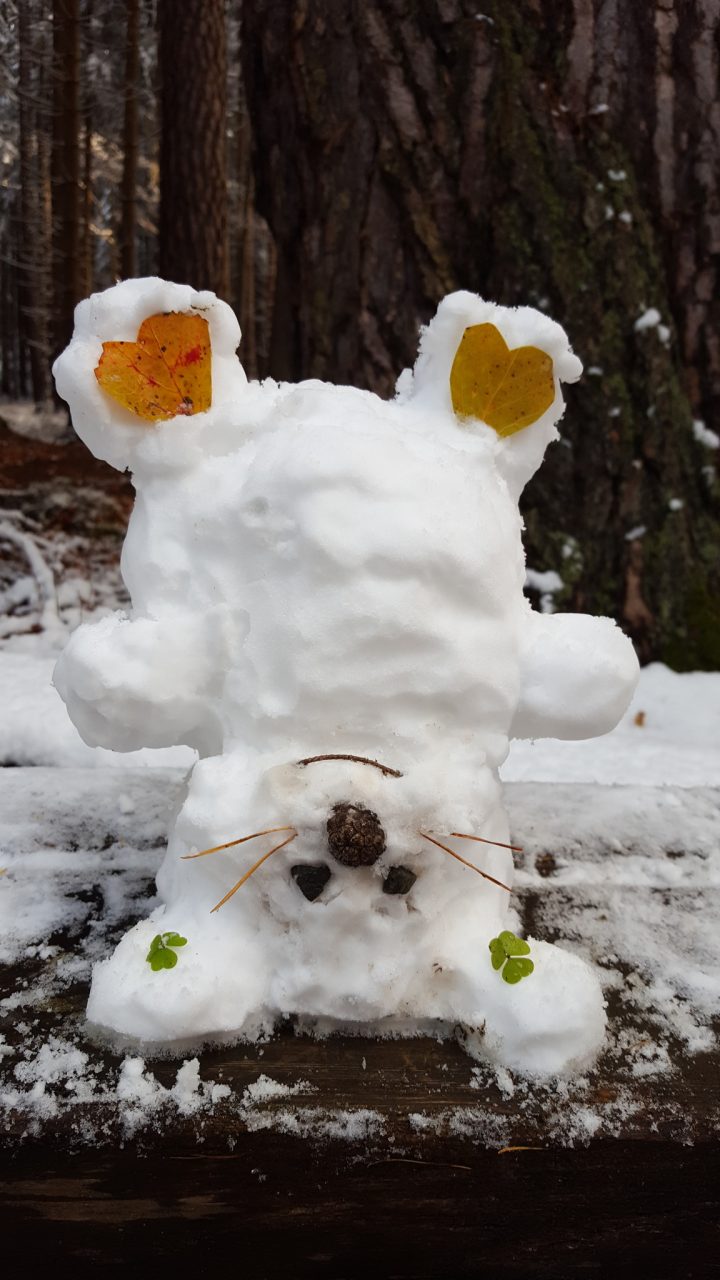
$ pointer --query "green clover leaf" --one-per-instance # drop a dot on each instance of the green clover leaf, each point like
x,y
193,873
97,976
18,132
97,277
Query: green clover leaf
x,y
160,954
512,945
507,952
516,969
177,940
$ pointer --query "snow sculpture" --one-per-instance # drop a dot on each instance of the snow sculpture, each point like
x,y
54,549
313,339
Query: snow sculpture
x,y
327,594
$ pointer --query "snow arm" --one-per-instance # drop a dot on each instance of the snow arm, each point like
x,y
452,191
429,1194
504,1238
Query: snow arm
x,y
578,675
143,682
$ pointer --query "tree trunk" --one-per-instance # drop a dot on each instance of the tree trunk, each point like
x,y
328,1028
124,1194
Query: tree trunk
x,y
128,196
29,205
34,240
193,183
551,152
45,222
245,260
6,330
66,167
87,255
8,327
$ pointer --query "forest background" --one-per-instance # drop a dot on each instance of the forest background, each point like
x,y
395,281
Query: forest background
x,y
334,167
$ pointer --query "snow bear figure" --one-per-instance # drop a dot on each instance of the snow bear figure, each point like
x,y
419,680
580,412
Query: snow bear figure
x,y
327,603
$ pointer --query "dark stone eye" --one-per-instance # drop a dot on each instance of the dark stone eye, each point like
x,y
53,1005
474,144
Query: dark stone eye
x,y
399,880
310,878
355,835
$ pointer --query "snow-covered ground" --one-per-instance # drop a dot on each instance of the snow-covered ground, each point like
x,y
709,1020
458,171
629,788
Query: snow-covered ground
x,y
670,735
35,728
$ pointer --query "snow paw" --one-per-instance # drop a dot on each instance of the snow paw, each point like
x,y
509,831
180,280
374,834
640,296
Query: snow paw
x,y
185,1001
551,1022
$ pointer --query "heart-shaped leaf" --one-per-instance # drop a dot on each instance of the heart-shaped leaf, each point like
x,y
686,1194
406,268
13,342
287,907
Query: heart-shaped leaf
x,y
163,958
512,945
507,389
516,969
507,952
166,372
160,954
155,945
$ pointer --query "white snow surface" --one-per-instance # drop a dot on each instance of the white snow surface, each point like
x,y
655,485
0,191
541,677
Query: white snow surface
x,y
35,727
670,735
317,572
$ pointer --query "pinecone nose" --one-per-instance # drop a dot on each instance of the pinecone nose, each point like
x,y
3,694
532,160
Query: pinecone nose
x,y
355,835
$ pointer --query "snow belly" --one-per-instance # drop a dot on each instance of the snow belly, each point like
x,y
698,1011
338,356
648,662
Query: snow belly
x,y
385,660
385,607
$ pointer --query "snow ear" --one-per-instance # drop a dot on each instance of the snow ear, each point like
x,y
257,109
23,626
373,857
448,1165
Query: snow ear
x,y
110,430
497,369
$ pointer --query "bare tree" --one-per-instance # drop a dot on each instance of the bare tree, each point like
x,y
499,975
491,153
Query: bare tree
x,y
64,153
34,240
128,190
245,273
193,176
86,272
66,167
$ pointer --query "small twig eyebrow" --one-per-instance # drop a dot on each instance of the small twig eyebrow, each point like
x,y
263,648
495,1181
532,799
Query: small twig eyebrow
x,y
465,863
384,768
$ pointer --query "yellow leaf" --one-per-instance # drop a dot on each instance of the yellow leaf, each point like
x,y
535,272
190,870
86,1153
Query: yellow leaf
x,y
166,372
506,389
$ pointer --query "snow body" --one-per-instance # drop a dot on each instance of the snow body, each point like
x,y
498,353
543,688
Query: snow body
x,y
317,572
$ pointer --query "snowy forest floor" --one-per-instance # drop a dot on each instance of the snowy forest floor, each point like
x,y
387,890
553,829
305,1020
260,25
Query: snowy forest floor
x,y
621,864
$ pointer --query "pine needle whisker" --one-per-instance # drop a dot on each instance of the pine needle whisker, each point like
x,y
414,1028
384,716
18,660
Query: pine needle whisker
x,y
254,868
516,848
464,861
269,831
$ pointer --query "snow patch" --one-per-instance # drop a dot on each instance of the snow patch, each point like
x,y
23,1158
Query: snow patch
x,y
649,319
704,435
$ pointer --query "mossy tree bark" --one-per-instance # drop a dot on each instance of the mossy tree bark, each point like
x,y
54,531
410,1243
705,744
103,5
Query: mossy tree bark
x,y
554,152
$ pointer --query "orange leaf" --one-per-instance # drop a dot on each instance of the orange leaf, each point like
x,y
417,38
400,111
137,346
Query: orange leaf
x,y
506,389
165,373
